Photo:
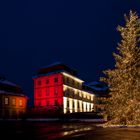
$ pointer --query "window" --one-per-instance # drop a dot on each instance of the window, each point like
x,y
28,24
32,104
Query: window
x,y
67,92
47,81
20,102
56,102
73,104
82,105
39,93
47,103
6,101
78,85
73,82
67,103
78,94
13,101
47,92
67,80
39,82
55,80
55,91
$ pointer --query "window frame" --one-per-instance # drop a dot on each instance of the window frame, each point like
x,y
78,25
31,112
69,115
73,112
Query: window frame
x,y
13,101
39,82
56,80
6,102
20,102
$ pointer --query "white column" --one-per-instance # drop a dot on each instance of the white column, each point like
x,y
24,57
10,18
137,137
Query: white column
x,y
75,105
80,106
84,105
88,107
65,104
71,105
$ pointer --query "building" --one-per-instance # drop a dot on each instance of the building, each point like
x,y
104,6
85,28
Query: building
x,y
101,92
13,102
57,88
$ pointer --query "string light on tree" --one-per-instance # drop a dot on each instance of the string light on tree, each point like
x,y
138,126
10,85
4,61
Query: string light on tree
x,y
123,107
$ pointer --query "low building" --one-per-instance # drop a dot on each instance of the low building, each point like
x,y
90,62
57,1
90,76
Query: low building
x,y
101,92
58,88
13,102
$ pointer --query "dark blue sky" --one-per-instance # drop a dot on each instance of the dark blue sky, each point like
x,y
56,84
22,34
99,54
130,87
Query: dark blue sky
x,y
79,33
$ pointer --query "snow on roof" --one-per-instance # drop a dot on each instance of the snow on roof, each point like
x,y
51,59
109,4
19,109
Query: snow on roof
x,y
58,65
46,74
95,83
11,93
99,89
53,64
55,72
97,86
8,83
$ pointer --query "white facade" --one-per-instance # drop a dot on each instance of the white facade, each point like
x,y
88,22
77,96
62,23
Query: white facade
x,y
75,99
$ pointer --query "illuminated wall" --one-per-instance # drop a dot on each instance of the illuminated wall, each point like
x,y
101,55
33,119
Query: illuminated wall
x,y
75,99
12,105
61,90
48,91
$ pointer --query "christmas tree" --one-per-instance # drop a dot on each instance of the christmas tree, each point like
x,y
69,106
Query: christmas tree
x,y
123,108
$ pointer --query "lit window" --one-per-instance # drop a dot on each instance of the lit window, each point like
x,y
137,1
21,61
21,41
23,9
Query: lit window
x,y
20,103
55,80
13,101
6,101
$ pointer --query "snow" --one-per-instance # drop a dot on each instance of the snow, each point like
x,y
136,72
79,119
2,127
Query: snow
x,y
94,86
99,89
8,83
49,73
53,64
11,93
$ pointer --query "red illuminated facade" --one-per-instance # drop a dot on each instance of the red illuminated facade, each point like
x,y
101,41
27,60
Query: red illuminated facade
x,y
48,91
57,88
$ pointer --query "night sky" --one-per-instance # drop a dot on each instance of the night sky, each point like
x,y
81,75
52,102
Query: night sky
x,y
81,34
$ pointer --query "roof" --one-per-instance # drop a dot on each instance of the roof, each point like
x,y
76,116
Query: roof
x,y
11,93
49,73
55,67
98,88
8,83
7,87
